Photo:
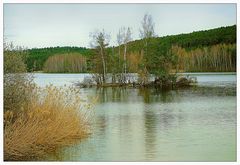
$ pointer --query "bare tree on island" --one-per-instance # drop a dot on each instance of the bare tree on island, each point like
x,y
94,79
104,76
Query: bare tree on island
x,y
119,42
158,60
146,33
123,37
100,40
127,37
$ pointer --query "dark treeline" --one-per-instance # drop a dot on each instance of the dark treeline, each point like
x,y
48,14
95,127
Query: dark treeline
x,y
222,35
215,46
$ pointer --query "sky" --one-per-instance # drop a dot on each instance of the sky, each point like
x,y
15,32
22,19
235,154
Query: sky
x,y
48,25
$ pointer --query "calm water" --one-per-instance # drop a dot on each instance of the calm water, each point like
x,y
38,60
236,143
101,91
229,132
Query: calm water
x,y
194,124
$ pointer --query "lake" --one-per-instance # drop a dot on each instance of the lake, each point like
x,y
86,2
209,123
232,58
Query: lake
x,y
130,124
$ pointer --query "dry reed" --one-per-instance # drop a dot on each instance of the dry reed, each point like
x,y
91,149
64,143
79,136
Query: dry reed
x,y
54,117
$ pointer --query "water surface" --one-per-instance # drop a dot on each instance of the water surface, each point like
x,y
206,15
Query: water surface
x,y
193,124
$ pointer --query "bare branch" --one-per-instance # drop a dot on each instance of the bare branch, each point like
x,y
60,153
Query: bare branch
x,y
147,30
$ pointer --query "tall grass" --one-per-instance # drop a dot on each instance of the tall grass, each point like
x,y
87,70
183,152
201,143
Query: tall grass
x,y
53,118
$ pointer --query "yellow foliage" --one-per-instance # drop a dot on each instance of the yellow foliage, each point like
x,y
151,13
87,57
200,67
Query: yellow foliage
x,y
135,59
220,57
53,118
70,62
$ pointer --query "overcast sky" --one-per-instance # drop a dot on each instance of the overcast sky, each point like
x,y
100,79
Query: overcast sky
x,y
46,25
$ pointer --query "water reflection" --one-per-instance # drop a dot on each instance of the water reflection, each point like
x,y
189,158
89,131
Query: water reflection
x,y
148,95
153,95
101,122
152,125
112,94
150,122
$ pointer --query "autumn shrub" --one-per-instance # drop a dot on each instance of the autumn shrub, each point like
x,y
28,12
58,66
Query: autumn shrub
x,y
17,83
38,121
54,117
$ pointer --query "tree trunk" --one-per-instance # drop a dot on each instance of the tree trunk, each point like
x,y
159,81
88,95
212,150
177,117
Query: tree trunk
x,y
125,63
125,60
104,65
119,54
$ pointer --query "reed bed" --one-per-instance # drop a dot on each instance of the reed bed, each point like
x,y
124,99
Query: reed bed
x,y
53,118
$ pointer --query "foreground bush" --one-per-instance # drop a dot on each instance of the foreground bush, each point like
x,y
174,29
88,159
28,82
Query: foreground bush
x,y
37,121
53,118
17,83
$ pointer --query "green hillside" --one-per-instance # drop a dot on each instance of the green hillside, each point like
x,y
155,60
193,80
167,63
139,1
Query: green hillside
x,y
189,42
222,35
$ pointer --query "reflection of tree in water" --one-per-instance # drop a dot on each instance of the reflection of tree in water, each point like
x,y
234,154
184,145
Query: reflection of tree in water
x,y
123,94
124,126
166,119
101,123
114,94
150,120
151,95
156,120
150,133
145,93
